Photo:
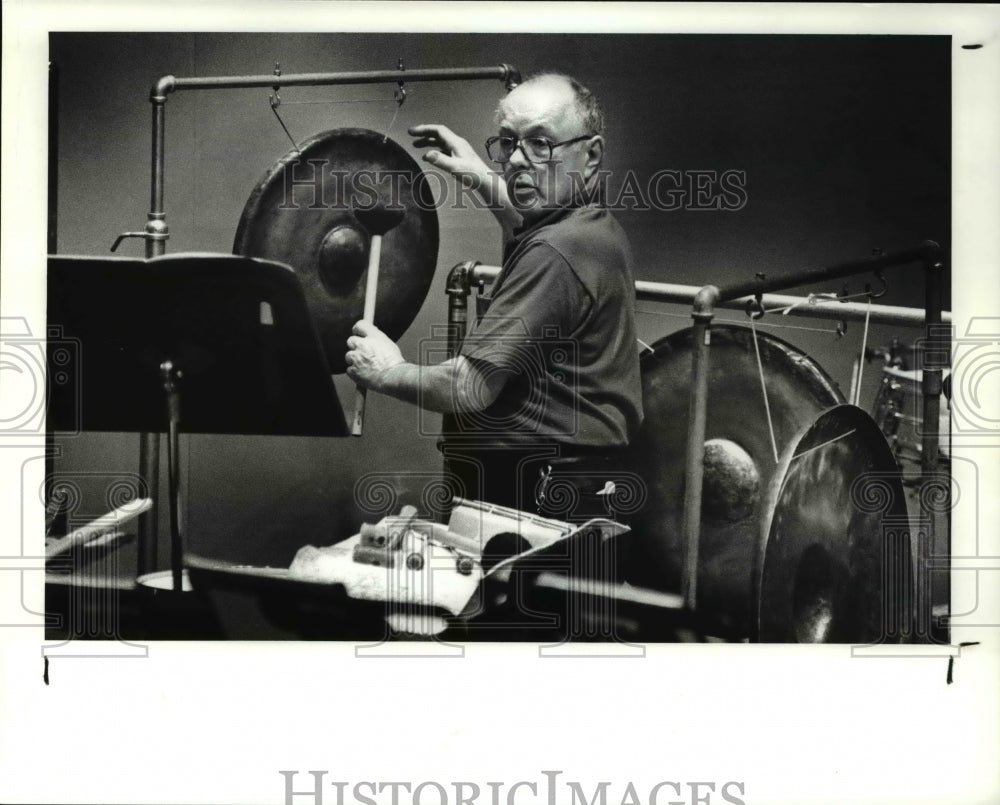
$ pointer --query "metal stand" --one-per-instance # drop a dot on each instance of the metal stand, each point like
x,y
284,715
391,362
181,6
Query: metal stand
x,y
155,232
171,377
741,295
935,358
702,314
239,329
927,254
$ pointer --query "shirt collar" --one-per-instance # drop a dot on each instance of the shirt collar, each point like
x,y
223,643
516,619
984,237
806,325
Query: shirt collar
x,y
554,216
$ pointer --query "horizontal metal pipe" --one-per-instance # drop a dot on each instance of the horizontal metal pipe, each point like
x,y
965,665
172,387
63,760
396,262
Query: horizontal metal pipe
x,y
812,307
169,83
797,305
926,251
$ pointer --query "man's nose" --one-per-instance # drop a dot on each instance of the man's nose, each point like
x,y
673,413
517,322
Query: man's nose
x,y
521,158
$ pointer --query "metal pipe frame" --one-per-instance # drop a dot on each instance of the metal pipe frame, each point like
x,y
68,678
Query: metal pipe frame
x,y
925,252
704,302
502,72
929,254
796,305
936,354
702,313
156,232
458,287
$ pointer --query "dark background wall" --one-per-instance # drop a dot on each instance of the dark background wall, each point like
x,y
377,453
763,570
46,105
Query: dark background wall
x,y
845,143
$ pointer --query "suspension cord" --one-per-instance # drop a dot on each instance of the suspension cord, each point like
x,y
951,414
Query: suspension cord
x,y
763,388
861,360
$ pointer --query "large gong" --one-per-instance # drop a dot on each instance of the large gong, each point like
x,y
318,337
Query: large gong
x,y
309,211
739,461
834,563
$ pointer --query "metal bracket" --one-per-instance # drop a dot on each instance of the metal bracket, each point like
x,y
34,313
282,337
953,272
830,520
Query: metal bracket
x,y
123,235
155,231
755,307
275,100
399,95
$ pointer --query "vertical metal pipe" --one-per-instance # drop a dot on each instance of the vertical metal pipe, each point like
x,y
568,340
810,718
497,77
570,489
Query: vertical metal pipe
x,y
53,187
703,312
149,443
51,449
934,359
458,287
934,362
171,376
156,225
149,472
176,541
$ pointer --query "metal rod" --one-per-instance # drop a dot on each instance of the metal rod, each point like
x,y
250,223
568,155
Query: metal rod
x,y
502,72
702,314
935,357
934,360
176,543
171,376
921,253
482,275
798,305
795,305
155,234
156,227
156,231
149,472
51,450
53,186
458,288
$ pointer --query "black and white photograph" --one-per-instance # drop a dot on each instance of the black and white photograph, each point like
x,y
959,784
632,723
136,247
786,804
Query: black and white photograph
x,y
406,198
356,371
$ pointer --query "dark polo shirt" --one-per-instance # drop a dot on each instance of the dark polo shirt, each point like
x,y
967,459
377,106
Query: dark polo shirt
x,y
560,323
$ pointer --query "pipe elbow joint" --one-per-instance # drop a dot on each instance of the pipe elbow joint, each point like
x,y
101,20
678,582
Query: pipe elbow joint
x,y
511,76
705,301
459,279
933,254
163,87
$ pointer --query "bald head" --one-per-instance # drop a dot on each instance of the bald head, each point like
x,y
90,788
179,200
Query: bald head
x,y
560,93
552,126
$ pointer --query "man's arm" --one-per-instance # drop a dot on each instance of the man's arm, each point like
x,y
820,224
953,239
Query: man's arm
x,y
454,387
454,155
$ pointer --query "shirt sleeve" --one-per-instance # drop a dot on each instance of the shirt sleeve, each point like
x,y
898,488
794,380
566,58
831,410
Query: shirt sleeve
x,y
541,299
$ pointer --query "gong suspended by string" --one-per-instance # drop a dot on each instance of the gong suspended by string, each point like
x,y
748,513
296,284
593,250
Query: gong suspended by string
x,y
307,212
834,562
739,462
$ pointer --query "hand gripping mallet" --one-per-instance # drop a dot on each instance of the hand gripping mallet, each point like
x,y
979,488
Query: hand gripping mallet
x,y
378,220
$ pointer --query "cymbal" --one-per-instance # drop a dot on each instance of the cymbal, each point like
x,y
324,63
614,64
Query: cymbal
x,y
309,211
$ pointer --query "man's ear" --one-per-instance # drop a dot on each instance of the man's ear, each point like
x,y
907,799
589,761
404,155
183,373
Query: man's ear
x,y
595,155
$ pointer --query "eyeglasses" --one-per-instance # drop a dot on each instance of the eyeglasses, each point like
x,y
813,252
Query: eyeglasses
x,y
537,150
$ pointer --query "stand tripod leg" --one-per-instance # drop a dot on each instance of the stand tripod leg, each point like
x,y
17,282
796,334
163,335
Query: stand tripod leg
x,y
171,375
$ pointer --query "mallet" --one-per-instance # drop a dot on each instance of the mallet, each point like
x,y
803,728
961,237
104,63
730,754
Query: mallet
x,y
378,220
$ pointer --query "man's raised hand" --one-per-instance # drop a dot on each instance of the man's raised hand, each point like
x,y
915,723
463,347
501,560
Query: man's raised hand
x,y
452,154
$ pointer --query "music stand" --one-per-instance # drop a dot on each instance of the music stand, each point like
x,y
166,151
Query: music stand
x,y
215,343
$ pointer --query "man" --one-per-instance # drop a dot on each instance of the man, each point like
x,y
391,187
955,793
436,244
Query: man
x,y
550,372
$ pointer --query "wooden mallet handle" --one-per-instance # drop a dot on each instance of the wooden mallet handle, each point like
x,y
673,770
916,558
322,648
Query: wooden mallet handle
x,y
371,288
378,221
